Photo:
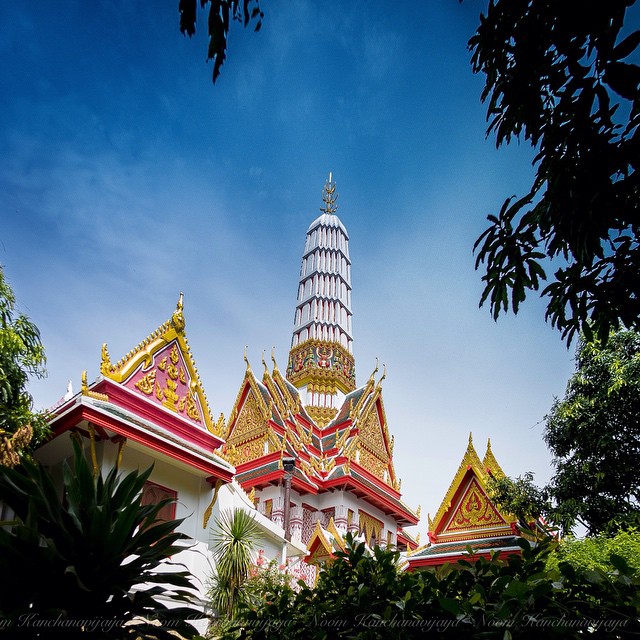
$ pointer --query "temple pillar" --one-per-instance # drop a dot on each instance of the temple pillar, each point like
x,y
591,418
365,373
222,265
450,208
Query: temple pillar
x,y
295,523
340,518
277,511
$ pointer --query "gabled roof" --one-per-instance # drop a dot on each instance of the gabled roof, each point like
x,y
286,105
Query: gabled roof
x,y
161,369
468,519
469,484
152,398
324,543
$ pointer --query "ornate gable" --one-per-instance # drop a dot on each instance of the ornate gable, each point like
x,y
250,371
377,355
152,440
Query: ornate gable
x,y
373,444
249,428
324,543
474,510
467,511
162,370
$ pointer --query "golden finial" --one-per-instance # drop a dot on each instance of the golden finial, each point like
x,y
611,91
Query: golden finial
x,y
418,538
384,375
471,438
105,363
374,372
273,359
246,359
264,364
329,197
177,319
419,510
85,386
488,445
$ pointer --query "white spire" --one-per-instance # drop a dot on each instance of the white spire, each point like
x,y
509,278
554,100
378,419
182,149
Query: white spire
x,y
323,310
321,363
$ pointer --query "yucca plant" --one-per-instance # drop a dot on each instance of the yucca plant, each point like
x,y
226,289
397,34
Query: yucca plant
x,y
235,537
87,561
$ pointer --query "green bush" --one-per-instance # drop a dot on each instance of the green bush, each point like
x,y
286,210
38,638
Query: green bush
x,y
363,596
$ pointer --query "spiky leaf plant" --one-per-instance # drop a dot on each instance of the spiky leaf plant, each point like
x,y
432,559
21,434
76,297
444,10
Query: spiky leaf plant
x,y
235,536
89,561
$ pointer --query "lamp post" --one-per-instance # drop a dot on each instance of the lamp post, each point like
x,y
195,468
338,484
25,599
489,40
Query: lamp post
x,y
289,465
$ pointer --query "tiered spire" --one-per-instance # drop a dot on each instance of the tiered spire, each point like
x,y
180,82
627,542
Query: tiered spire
x,y
321,361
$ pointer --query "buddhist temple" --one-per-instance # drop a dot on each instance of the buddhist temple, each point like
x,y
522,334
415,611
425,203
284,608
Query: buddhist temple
x,y
468,520
311,446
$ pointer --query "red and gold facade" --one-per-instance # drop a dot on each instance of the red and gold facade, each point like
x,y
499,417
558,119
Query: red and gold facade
x,y
468,518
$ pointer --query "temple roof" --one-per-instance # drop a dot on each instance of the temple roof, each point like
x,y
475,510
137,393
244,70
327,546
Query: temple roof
x,y
436,554
472,475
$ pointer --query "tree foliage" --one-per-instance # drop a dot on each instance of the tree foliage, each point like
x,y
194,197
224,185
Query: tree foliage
x,y
594,435
21,356
521,497
221,14
595,552
563,79
363,596
85,563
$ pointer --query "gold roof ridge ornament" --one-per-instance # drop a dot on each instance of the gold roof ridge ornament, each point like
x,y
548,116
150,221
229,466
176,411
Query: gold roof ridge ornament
x,y
329,197
177,319
373,373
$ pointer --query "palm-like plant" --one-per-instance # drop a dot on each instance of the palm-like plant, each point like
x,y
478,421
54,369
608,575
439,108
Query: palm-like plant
x,y
85,562
235,537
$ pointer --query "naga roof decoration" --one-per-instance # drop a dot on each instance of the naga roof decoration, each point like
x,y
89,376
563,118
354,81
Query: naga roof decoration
x,y
162,370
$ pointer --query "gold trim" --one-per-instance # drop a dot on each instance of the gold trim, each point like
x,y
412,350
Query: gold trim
x,y
209,509
84,389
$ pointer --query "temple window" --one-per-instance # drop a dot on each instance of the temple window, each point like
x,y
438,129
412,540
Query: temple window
x,y
153,493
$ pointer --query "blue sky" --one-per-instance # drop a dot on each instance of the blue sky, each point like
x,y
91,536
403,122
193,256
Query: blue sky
x,y
127,177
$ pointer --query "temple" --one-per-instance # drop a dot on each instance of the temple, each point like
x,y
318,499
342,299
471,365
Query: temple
x,y
308,453
312,447
468,521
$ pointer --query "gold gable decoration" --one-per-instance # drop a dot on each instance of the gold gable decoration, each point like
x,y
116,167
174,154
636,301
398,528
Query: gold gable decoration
x,y
250,432
470,460
474,510
182,390
491,464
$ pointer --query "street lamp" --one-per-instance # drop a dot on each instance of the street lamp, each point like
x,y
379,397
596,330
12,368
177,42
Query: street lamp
x,y
288,464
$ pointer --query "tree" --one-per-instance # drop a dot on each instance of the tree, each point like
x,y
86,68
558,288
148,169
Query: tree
x,y
560,78
594,435
235,536
21,356
88,562
521,497
595,552
221,13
